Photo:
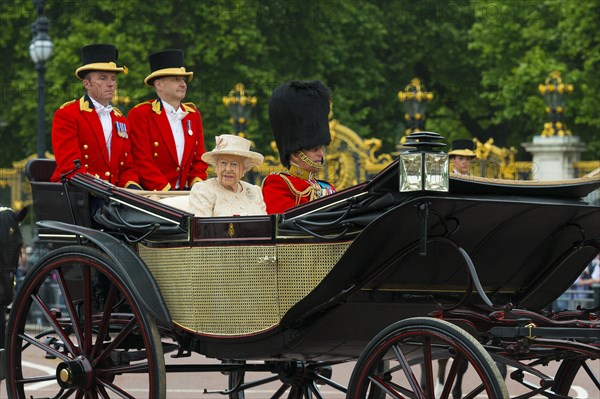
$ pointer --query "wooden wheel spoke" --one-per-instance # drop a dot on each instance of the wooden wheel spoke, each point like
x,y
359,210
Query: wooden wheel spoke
x,y
103,392
315,390
57,329
44,347
31,380
105,322
116,341
87,310
64,290
593,375
475,392
112,387
451,378
410,376
427,364
392,390
129,369
280,391
257,383
67,394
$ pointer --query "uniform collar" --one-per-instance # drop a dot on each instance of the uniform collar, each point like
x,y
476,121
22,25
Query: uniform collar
x,y
297,171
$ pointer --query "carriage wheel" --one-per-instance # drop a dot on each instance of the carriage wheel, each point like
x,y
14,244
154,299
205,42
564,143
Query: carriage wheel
x,y
413,345
76,331
293,380
575,372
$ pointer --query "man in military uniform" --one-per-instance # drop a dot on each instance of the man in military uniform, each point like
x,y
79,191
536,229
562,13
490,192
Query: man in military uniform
x,y
299,116
90,130
461,156
167,135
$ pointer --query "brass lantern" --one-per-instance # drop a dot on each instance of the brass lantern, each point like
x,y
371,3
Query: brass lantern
x,y
554,91
239,106
424,168
414,99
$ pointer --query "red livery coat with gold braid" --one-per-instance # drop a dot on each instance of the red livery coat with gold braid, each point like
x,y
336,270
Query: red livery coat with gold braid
x,y
77,134
154,147
282,191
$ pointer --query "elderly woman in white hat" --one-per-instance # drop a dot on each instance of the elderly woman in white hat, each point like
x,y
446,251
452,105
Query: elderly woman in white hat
x,y
227,194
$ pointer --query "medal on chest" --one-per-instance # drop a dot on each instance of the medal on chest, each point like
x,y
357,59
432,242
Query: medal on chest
x,y
189,128
121,130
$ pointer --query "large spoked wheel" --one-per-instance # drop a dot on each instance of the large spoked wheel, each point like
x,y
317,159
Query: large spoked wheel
x,y
76,331
291,380
575,375
412,347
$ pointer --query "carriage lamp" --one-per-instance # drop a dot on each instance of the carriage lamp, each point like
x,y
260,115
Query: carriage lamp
x,y
554,91
239,106
424,168
414,99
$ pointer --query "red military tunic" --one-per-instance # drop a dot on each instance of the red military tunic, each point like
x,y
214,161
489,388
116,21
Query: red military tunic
x,y
77,134
154,147
282,191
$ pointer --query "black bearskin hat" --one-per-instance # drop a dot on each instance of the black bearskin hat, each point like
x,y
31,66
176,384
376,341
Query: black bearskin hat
x,y
299,116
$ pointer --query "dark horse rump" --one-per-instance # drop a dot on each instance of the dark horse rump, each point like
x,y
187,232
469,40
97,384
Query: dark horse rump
x,y
11,242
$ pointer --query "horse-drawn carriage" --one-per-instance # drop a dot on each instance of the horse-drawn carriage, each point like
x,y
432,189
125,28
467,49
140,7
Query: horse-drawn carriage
x,y
394,281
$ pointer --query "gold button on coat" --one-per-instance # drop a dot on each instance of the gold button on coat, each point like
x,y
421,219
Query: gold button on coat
x,y
106,174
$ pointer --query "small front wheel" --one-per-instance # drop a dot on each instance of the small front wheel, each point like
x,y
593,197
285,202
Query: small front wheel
x,y
411,347
75,330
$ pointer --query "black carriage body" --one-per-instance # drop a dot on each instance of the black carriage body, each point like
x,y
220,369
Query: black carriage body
x,y
321,280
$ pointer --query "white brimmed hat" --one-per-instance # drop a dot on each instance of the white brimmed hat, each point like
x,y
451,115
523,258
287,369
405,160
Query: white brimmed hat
x,y
229,144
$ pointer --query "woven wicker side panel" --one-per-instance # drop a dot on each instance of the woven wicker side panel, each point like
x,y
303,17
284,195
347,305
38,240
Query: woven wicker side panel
x,y
302,267
217,290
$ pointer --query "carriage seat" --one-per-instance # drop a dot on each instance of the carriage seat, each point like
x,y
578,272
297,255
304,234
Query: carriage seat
x,y
40,170
49,198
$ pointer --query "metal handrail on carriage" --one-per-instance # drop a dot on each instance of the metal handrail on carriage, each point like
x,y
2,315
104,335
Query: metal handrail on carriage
x,y
285,294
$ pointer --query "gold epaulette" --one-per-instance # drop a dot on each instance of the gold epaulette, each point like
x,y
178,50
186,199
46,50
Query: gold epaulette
x,y
148,102
117,111
189,107
67,103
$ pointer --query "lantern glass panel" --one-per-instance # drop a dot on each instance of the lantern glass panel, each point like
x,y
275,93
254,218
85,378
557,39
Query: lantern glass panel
x,y
411,172
436,172
40,50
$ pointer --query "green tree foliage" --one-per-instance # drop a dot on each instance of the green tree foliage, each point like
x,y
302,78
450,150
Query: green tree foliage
x,y
482,59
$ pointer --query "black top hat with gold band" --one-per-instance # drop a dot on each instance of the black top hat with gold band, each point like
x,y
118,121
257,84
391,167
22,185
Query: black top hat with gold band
x,y
463,147
166,63
98,57
299,117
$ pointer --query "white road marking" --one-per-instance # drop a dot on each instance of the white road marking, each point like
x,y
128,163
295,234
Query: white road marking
x,y
45,369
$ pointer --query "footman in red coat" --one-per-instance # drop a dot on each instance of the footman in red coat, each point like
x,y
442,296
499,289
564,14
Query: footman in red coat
x,y
167,135
90,130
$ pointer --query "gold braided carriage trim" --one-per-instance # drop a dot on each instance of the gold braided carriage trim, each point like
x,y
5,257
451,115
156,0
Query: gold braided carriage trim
x,y
309,191
239,290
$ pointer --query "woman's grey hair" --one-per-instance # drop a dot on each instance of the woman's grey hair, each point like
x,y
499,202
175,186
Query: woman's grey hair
x,y
246,161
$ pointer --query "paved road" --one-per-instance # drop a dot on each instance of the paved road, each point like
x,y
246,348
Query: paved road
x,y
191,386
